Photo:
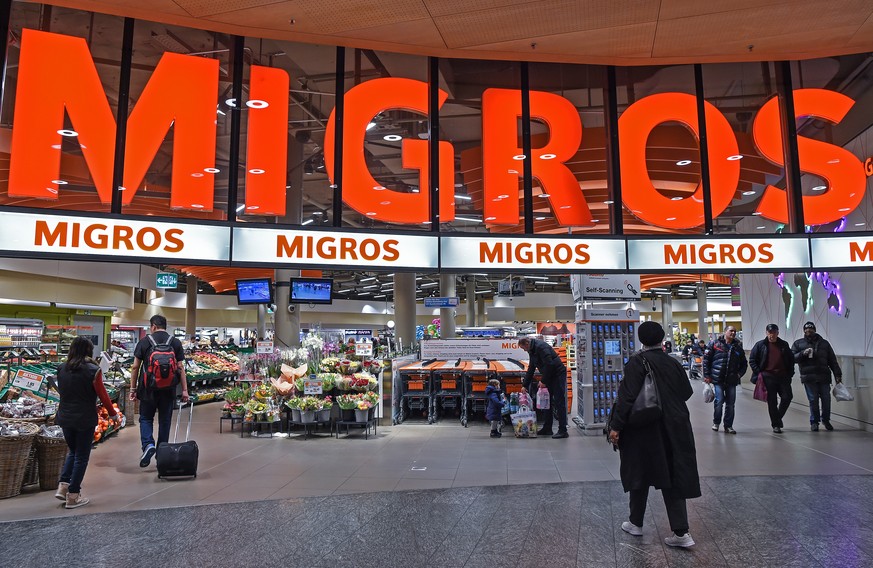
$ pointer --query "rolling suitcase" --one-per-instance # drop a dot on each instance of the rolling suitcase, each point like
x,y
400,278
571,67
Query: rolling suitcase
x,y
178,459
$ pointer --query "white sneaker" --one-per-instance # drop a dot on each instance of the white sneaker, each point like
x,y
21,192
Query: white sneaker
x,y
76,500
683,541
63,489
631,528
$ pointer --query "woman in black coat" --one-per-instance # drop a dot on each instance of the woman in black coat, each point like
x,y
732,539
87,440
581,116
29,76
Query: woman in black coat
x,y
80,384
659,454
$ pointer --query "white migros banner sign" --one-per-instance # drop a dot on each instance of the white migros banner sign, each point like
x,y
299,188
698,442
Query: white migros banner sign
x,y
452,349
475,253
718,254
106,237
842,252
334,248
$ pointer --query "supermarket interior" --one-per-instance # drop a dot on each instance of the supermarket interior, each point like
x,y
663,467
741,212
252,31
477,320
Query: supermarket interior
x,y
349,214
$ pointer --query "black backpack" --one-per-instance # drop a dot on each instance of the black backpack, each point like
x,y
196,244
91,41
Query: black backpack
x,y
162,369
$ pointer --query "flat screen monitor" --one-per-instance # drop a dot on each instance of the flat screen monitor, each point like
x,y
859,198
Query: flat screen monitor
x,y
612,347
311,290
254,291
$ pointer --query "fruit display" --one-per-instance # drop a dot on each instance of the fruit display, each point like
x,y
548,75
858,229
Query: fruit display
x,y
105,425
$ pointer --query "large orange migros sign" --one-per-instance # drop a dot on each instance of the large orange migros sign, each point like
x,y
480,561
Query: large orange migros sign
x,y
57,74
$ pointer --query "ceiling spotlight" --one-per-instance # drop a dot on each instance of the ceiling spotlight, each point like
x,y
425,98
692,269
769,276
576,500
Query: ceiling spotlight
x,y
683,162
392,137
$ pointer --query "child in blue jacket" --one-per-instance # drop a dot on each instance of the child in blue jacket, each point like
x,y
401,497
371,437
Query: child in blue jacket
x,y
494,410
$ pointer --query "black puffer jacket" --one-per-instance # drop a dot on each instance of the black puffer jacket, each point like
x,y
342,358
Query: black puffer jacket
x,y
761,351
549,364
824,360
725,362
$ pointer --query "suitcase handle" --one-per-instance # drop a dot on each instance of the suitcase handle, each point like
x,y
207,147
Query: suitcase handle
x,y
179,419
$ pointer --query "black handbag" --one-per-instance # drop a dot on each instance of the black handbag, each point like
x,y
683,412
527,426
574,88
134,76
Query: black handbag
x,y
647,406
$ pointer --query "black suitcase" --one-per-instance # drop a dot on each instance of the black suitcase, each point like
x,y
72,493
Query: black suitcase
x,y
178,459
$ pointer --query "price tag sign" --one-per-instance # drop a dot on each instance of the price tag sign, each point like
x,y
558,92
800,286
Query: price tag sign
x,y
29,381
50,408
364,349
312,386
265,347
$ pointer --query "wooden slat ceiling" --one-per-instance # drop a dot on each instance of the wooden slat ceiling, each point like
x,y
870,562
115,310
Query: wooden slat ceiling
x,y
619,32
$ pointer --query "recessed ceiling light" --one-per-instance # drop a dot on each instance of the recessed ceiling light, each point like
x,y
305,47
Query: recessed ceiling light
x,y
608,202
548,157
59,182
256,171
540,218
211,170
677,198
519,157
197,175
683,162
844,209
735,157
371,214
308,221
834,161
392,137
64,132
256,103
671,218
759,228
860,224
52,190
384,203
490,218
231,103
463,197
595,220
750,192
253,207
819,188
196,206
756,213
566,206
379,187
504,196
545,195
512,171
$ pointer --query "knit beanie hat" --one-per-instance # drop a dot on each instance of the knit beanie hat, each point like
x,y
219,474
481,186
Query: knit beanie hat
x,y
650,333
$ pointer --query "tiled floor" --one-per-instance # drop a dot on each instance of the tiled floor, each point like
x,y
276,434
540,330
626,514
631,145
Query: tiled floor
x,y
444,495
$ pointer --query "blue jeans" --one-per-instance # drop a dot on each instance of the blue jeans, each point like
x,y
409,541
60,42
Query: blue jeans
x,y
727,397
816,392
162,402
79,442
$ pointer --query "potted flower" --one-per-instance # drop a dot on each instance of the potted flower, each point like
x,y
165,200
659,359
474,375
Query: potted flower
x,y
362,410
326,406
347,404
294,404
309,405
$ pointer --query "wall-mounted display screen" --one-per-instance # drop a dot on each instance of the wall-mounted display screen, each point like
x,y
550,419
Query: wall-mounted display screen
x,y
254,291
311,290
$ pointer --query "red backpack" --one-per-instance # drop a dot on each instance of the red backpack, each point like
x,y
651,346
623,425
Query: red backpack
x,y
162,369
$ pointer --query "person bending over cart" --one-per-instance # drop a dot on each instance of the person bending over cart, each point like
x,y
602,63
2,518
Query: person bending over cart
x,y
553,377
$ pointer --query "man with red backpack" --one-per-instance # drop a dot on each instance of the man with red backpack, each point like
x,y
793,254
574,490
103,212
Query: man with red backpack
x,y
158,367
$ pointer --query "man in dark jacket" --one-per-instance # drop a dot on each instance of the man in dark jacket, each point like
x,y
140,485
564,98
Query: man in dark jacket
x,y
772,361
816,359
659,454
553,376
723,365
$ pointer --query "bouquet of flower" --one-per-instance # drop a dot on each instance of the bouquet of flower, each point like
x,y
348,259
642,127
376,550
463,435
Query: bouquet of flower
x,y
308,403
328,380
373,397
293,403
347,401
326,403
264,392
344,383
330,364
364,404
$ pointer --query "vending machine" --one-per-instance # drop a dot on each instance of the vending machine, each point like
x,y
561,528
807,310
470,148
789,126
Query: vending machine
x,y
605,340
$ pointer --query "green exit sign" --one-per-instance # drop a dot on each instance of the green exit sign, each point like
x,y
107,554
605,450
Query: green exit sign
x,y
167,280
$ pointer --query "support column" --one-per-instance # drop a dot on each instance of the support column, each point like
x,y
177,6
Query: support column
x,y
262,321
471,302
667,317
448,289
287,325
404,309
480,311
191,307
703,332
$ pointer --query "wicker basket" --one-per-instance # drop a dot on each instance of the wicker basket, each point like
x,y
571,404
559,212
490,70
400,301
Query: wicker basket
x,y
13,458
51,453
31,469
